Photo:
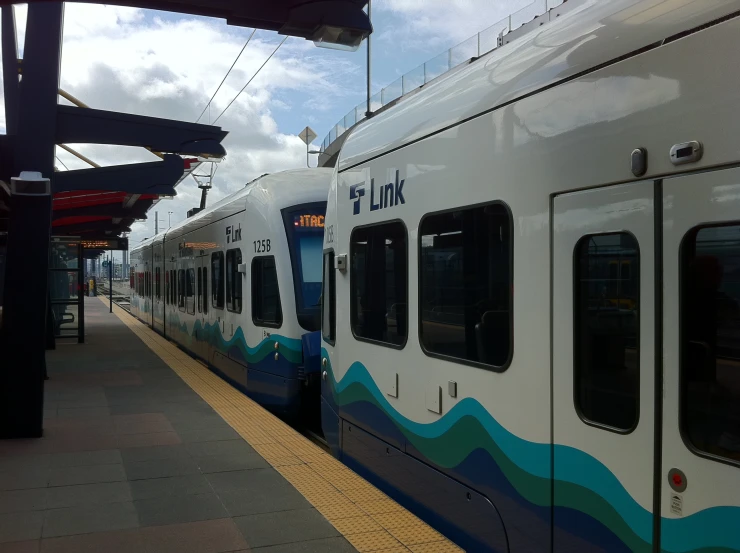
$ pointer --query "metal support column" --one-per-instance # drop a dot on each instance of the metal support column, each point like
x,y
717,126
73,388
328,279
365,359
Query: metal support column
x,y
29,226
110,281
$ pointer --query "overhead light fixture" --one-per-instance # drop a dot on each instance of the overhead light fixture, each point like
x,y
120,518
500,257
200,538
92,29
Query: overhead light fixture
x,y
335,24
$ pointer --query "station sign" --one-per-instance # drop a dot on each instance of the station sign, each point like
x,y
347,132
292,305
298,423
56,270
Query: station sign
x,y
105,244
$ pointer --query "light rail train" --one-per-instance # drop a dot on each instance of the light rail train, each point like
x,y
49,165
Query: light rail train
x,y
238,284
531,302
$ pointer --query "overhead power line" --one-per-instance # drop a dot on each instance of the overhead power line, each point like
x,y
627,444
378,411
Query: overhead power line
x,y
227,74
251,79
60,161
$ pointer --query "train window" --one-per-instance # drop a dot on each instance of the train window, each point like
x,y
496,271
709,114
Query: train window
x,y
166,287
328,299
710,340
217,279
607,327
233,281
200,288
204,290
266,307
465,283
181,289
158,282
190,291
379,283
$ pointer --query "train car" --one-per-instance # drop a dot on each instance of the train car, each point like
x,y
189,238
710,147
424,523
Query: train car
x,y
238,285
530,317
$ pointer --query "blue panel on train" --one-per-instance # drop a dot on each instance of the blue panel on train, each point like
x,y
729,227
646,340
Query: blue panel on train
x,y
274,392
463,515
312,352
370,418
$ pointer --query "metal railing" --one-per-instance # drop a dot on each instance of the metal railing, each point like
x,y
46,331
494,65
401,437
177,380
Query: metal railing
x,y
474,47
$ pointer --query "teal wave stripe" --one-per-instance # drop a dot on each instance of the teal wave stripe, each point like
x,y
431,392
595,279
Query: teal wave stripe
x,y
291,349
582,482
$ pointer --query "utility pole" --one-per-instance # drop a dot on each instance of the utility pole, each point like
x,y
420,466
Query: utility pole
x,y
110,280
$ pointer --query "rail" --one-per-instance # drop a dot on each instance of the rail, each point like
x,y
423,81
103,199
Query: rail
x,y
474,47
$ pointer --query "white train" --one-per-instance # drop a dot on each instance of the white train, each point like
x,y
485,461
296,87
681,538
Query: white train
x,y
531,322
238,285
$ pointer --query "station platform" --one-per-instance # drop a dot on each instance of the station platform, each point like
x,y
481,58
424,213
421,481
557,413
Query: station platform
x,y
146,450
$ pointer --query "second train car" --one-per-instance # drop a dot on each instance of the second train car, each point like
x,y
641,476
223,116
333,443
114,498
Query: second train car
x,y
238,285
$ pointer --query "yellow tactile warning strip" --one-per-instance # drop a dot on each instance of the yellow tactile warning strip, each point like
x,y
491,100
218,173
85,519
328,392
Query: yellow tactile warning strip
x,y
365,516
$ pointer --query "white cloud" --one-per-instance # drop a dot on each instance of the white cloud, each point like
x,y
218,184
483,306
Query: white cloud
x,y
144,62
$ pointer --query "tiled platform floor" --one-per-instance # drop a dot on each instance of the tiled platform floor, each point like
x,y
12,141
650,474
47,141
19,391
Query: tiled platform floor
x,y
133,460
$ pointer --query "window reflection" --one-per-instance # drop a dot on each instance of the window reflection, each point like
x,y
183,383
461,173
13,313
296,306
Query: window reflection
x,y
710,340
607,322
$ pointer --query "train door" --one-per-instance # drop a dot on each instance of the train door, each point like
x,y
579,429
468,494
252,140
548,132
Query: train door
x,y
700,476
158,305
200,346
603,369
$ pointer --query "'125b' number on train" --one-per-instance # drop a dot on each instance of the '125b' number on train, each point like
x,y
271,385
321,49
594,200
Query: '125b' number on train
x,y
261,246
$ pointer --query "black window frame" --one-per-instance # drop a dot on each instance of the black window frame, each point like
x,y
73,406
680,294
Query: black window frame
x,y
181,289
682,265
256,320
204,293
303,312
576,334
457,360
173,287
198,294
236,280
217,293
332,339
190,290
352,283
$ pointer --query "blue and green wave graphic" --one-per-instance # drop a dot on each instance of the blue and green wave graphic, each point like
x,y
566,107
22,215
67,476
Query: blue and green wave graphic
x,y
583,485
290,349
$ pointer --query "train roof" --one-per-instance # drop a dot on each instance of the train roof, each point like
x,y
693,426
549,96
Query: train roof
x,y
581,36
279,189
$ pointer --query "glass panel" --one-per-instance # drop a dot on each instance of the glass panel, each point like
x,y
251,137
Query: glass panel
x,y
217,275
489,37
64,255
379,283
200,290
437,66
66,320
528,13
328,299
190,290
266,308
464,51
466,280
607,324
204,292
413,79
392,91
63,285
181,289
233,281
710,340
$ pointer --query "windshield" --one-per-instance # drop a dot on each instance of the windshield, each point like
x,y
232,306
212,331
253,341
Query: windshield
x,y
305,228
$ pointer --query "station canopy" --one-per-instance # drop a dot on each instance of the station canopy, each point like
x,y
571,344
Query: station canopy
x,y
100,203
331,23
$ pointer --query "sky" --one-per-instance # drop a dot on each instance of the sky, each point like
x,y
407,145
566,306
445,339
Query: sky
x,y
168,65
